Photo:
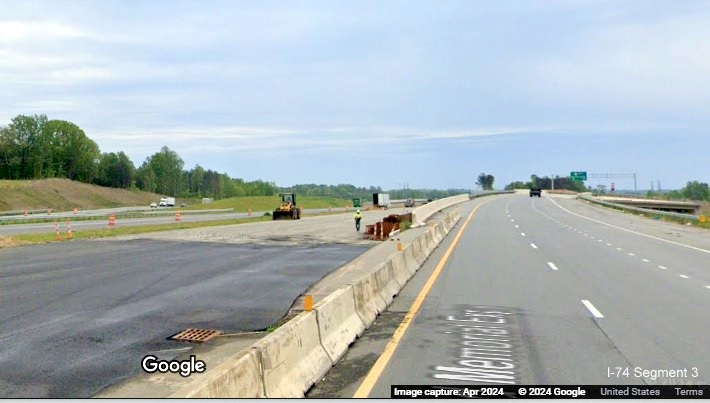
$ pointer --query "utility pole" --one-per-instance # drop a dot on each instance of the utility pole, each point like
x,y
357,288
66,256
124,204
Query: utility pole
x,y
552,179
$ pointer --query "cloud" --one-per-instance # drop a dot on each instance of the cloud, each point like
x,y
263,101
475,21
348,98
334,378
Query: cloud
x,y
220,140
656,66
23,32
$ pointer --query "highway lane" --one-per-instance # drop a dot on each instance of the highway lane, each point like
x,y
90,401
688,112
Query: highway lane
x,y
78,317
527,298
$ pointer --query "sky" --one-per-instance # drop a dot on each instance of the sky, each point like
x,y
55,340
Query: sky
x,y
424,93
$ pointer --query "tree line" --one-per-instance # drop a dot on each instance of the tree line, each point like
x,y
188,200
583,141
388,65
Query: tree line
x,y
546,182
35,147
693,190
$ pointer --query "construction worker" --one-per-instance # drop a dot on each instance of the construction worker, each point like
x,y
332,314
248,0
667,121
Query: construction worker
x,y
358,217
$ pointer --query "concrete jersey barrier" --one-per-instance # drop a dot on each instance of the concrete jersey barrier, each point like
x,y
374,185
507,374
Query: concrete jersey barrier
x,y
292,357
237,377
338,322
420,214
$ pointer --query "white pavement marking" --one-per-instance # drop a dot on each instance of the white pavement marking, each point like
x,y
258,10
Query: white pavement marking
x,y
586,234
708,287
552,266
522,233
682,275
517,226
633,232
592,309
645,260
663,267
600,240
632,254
619,249
533,246
511,220
608,244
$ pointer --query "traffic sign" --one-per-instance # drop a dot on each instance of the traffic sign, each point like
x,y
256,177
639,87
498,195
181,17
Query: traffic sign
x,y
578,176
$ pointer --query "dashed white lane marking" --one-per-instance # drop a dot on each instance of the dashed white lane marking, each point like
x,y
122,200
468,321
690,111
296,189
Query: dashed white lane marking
x,y
632,254
511,220
522,233
645,260
600,240
592,309
533,246
608,244
592,237
552,266
628,230
619,249
682,276
663,267
517,226
586,234
708,287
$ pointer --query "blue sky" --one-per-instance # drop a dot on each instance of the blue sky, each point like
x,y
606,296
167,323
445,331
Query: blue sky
x,y
430,93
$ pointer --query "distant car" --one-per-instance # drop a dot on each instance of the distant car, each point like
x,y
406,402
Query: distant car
x,y
536,192
154,205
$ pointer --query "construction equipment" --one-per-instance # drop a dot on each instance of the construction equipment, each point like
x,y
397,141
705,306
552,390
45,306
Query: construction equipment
x,y
288,208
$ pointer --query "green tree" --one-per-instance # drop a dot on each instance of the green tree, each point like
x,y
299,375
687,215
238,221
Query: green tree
x,y
696,191
166,166
485,181
74,155
27,150
145,178
518,185
115,170
197,181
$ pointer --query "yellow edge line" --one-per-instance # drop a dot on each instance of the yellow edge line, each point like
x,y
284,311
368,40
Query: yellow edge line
x,y
366,387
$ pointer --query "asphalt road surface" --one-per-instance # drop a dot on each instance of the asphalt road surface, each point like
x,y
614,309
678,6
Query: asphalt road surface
x,y
77,317
545,291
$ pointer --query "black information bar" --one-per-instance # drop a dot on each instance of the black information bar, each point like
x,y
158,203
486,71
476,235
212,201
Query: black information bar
x,y
550,392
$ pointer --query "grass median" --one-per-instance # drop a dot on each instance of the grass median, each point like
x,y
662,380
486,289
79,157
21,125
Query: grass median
x,y
26,239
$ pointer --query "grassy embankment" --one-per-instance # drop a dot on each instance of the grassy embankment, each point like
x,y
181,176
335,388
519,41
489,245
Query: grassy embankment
x,y
66,195
269,203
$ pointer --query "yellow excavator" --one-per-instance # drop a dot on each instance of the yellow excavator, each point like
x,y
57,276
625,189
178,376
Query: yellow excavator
x,y
288,208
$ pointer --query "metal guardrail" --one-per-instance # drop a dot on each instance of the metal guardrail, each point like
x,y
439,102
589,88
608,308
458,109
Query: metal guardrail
x,y
638,209
97,216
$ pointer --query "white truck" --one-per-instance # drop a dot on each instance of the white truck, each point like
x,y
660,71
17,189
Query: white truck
x,y
167,202
381,200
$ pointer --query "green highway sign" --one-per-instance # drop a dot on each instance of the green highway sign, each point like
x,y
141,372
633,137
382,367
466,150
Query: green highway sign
x,y
578,176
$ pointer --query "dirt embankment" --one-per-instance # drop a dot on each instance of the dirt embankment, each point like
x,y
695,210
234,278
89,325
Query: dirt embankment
x,y
63,194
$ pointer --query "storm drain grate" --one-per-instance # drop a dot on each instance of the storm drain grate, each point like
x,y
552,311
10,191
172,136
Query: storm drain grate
x,y
196,335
